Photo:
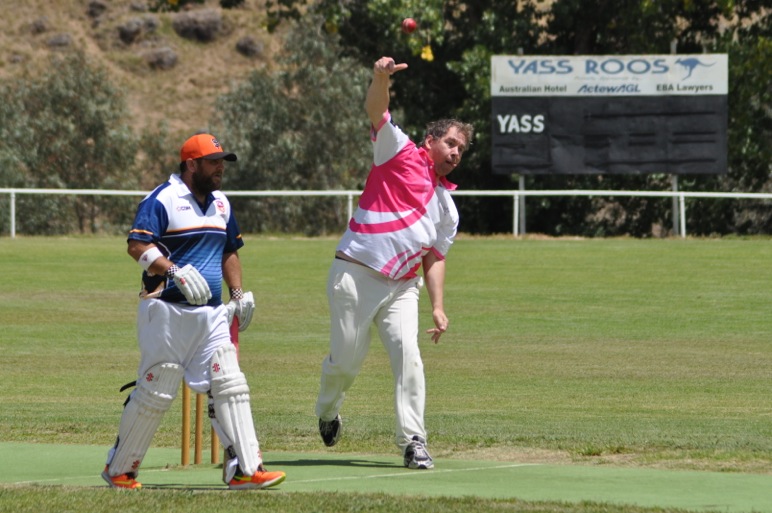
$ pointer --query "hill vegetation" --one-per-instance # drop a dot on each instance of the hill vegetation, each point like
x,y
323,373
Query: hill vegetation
x,y
181,95
100,94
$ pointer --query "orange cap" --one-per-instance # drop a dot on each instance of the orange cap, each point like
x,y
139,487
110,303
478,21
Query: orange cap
x,y
204,146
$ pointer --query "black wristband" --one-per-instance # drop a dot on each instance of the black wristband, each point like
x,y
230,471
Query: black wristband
x,y
236,294
171,271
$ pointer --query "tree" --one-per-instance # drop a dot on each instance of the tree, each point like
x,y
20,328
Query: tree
x,y
723,26
72,126
464,35
300,126
750,137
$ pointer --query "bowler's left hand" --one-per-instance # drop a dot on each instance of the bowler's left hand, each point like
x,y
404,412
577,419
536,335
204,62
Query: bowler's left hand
x,y
441,323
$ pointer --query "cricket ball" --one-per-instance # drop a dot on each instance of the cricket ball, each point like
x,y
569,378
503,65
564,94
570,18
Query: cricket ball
x,y
409,25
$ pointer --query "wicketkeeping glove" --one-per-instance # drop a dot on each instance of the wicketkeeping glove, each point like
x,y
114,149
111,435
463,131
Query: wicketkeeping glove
x,y
243,309
192,285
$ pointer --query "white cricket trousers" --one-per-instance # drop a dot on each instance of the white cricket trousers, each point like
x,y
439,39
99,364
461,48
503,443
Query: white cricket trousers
x,y
181,334
358,297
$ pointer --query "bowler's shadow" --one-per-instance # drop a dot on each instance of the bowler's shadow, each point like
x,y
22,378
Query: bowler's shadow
x,y
332,463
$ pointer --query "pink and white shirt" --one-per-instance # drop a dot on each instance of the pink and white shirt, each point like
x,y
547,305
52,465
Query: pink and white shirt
x,y
404,212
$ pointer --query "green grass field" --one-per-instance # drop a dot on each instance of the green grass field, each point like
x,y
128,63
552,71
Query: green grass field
x,y
612,353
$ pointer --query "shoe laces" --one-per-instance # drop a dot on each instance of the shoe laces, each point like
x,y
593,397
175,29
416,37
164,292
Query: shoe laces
x,y
419,450
329,426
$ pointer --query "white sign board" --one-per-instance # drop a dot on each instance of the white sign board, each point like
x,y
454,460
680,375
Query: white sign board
x,y
619,75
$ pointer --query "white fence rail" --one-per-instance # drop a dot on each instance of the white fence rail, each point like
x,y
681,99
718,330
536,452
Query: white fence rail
x,y
518,198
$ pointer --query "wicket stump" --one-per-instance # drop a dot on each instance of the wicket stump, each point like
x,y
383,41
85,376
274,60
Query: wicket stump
x,y
198,441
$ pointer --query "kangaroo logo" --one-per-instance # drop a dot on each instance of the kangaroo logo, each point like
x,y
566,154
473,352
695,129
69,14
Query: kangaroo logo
x,y
690,64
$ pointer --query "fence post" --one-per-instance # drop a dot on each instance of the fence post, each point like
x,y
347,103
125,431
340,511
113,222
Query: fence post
x,y
13,214
521,200
682,209
676,216
516,215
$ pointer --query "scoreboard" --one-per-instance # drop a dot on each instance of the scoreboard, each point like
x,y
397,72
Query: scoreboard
x,y
609,114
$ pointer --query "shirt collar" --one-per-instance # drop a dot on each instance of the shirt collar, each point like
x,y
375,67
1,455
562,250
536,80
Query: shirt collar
x,y
183,190
179,185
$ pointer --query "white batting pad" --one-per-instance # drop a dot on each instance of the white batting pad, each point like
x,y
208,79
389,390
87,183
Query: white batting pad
x,y
232,412
143,413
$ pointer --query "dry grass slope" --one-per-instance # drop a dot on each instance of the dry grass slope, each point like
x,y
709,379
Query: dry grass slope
x,y
182,96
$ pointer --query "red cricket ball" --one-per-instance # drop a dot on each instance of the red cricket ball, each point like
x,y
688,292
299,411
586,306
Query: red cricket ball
x,y
409,25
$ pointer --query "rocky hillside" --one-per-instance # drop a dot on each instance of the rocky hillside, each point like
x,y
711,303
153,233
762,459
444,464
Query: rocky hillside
x,y
172,66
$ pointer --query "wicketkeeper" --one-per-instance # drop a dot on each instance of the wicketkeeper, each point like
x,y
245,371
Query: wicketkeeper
x,y
186,240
